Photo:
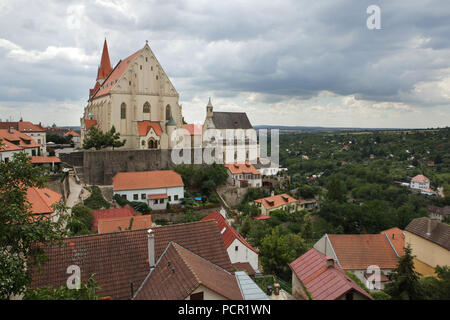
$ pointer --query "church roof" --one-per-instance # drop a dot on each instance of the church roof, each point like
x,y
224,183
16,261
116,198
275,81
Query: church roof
x,y
105,64
115,75
231,120
144,127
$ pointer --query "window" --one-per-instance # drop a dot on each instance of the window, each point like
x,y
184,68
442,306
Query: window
x,y
168,112
123,111
124,196
161,201
349,296
170,198
236,248
140,67
129,82
151,68
146,59
156,77
39,141
175,197
146,108
135,196
143,196
155,201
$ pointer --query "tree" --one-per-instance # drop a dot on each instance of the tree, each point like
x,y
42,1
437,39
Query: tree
x,y
278,250
99,140
87,291
19,231
335,190
405,283
437,288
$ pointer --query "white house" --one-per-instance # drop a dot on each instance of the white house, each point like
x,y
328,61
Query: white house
x,y
35,131
243,175
239,250
156,188
13,141
420,182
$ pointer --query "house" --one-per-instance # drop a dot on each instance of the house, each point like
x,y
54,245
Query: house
x,y
134,96
13,141
316,276
41,201
238,249
243,175
126,212
76,137
358,253
307,204
278,202
430,243
440,213
268,168
123,263
156,188
35,131
420,182
180,274
232,133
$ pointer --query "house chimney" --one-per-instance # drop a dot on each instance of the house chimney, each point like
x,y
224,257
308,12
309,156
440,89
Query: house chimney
x,y
269,290
276,289
151,248
11,130
432,223
330,262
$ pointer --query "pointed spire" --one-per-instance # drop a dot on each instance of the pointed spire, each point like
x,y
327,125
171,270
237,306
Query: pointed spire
x,y
209,102
105,63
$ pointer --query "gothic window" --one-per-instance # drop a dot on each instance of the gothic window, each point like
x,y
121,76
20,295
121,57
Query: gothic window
x,y
123,111
156,77
168,112
146,108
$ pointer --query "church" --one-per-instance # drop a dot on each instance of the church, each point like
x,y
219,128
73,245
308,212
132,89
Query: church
x,y
137,98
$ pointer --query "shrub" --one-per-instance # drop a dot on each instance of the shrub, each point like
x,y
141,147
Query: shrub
x,y
96,200
83,214
141,207
380,295
121,201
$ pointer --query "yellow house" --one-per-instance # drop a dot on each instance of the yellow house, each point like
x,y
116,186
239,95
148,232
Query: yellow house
x,y
430,243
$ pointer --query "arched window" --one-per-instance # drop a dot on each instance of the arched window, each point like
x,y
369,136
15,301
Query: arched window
x,y
146,108
123,111
168,112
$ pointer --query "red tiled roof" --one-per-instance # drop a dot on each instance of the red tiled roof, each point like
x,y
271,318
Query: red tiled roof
x,y
106,225
322,282
262,217
41,200
193,129
42,159
229,234
244,266
146,180
145,126
420,178
126,211
105,64
115,75
120,258
397,238
276,201
18,138
72,133
236,168
358,251
180,271
23,126
88,123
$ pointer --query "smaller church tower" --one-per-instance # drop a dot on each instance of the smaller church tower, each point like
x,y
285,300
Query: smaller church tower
x,y
105,65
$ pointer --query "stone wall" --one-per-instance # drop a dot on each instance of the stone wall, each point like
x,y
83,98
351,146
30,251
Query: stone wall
x,y
74,159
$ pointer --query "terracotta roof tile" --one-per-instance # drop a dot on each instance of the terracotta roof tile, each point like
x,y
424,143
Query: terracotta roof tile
x,y
146,180
126,211
397,238
119,258
41,200
105,64
244,266
72,133
145,126
236,168
88,123
180,271
358,251
106,225
42,159
322,282
276,201
229,234
193,129
420,178
18,138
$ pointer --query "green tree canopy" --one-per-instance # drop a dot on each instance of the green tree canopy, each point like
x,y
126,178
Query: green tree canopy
x,y
98,139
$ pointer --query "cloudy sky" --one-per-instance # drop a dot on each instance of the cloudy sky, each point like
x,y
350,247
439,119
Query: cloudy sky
x,y
311,63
